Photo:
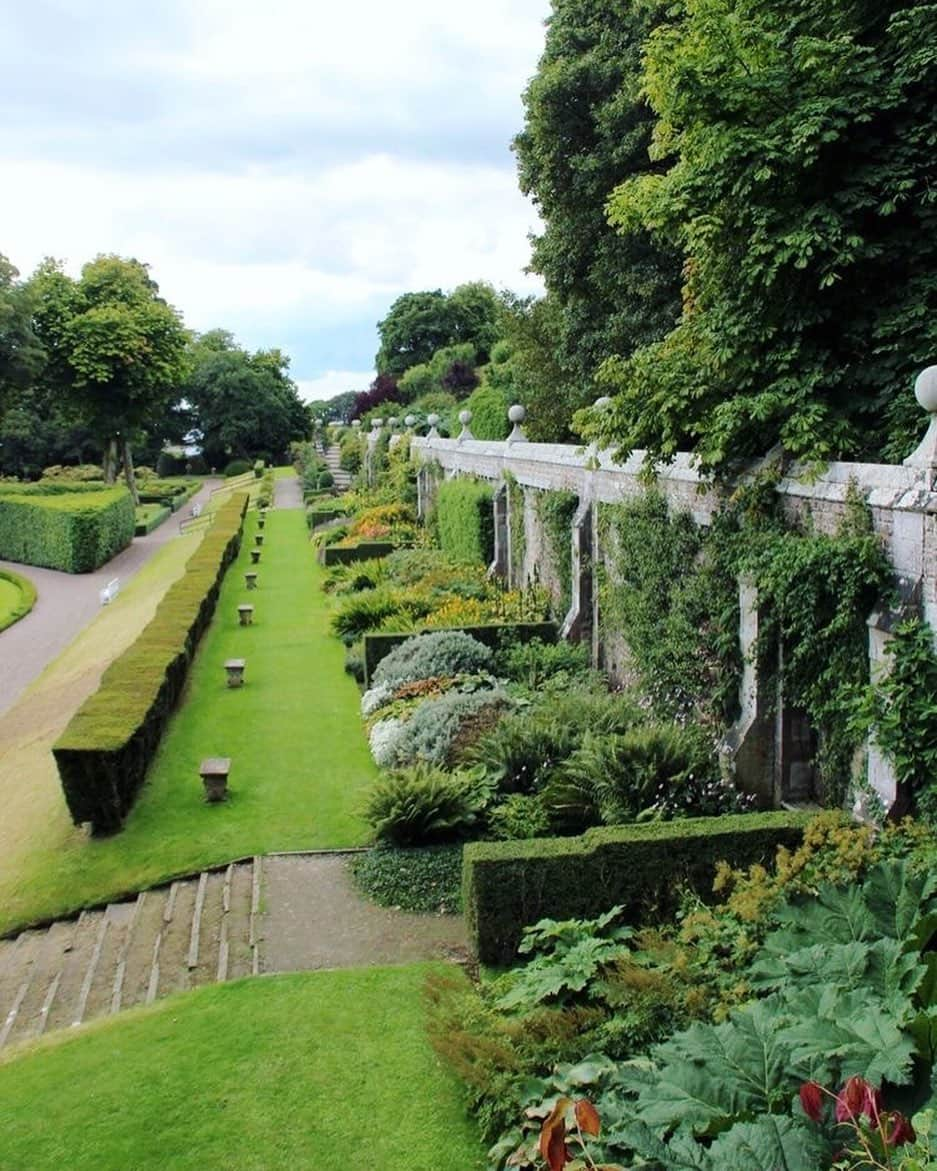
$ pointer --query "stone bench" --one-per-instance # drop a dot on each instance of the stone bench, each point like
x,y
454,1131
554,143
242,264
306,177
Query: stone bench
x,y
214,773
110,591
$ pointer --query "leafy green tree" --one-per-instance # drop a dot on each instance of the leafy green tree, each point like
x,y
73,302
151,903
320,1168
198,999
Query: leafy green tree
x,y
800,141
588,128
243,405
419,324
21,355
116,350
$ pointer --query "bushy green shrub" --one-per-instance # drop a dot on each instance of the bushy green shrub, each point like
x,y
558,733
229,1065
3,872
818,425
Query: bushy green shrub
x,y
465,521
489,406
537,663
104,752
170,465
237,467
60,528
259,465
427,880
519,816
326,479
83,473
439,726
366,610
448,652
422,805
508,885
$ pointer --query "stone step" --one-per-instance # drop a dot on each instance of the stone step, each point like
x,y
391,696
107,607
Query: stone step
x,y
164,940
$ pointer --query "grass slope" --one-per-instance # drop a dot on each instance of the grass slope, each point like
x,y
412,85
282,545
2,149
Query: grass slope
x,y
299,755
330,1071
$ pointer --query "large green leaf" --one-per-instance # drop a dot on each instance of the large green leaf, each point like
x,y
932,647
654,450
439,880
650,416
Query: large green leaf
x,y
772,1143
710,1075
898,898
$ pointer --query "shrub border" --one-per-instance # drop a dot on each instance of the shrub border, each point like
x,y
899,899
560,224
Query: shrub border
x,y
28,595
508,886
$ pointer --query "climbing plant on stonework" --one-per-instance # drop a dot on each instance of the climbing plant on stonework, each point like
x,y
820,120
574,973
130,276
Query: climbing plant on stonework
x,y
797,143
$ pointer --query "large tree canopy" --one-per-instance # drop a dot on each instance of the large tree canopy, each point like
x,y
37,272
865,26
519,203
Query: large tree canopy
x,y
801,187
21,354
243,405
587,129
419,324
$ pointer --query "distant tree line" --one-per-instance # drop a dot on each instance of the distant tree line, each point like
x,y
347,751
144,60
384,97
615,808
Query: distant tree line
x,y
102,370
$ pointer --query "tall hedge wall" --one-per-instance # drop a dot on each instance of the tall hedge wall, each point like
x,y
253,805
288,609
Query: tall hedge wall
x,y
510,885
76,531
465,520
103,754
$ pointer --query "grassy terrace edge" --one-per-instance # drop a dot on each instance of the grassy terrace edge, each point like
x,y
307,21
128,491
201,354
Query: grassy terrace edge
x,y
27,598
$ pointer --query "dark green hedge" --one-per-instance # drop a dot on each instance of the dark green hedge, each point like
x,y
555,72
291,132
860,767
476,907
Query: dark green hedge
x,y
492,634
348,554
508,886
103,754
73,531
172,493
465,520
321,514
153,516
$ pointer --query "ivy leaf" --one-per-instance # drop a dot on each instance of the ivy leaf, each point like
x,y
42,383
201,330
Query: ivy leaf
x,y
772,1143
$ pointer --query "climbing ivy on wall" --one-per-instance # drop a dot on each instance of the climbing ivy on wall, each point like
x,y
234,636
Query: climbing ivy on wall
x,y
670,591
464,520
555,512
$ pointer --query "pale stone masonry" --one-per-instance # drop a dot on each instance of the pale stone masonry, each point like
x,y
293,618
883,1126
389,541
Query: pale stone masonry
x,y
767,746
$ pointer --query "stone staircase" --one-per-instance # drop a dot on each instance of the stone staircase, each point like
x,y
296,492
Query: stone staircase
x,y
168,939
333,459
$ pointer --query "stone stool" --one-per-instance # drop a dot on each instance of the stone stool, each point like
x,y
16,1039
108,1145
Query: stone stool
x,y
214,773
246,615
251,579
258,539
235,669
255,556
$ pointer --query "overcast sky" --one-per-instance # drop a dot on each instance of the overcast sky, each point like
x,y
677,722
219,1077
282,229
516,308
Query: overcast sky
x,y
286,167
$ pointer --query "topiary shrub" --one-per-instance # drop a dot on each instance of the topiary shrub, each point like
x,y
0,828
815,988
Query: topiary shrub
x,y
171,465
326,480
237,467
448,652
68,526
422,805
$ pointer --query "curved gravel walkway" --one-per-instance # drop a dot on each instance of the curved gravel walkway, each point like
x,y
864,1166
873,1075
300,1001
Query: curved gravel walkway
x,y
67,602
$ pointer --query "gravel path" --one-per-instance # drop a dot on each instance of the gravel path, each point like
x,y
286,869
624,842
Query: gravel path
x,y
288,493
66,603
314,918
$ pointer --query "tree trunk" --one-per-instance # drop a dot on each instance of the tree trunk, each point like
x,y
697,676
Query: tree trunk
x,y
110,460
128,469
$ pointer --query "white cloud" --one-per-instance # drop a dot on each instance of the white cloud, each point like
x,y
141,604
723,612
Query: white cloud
x,y
333,382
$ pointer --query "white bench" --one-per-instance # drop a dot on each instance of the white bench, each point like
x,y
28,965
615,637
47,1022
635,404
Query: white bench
x,y
196,510
110,591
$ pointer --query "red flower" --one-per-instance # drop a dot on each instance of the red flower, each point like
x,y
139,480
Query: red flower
x,y
811,1098
852,1099
898,1130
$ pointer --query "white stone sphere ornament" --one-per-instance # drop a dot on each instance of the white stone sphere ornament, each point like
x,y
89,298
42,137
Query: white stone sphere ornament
x,y
516,415
925,391
465,417
377,424
410,420
392,422
356,423
433,421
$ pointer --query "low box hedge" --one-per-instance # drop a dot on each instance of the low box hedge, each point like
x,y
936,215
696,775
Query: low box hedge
x,y
150,517
508,886
492,634
171,493
322,514
348,554
74,531
104,753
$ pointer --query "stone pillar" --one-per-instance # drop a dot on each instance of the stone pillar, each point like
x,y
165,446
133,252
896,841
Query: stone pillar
x,y
501,565
882,623
748,752
578,624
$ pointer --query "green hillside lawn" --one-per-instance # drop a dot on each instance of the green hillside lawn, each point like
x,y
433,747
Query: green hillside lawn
x,y
299,755
328,1071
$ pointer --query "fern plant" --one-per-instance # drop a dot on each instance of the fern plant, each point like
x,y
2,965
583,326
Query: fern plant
x,y
423,805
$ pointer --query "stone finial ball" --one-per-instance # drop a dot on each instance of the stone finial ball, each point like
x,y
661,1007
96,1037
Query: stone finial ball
x,y
392,421
377,423
356,423
432,420
517,413
465,417
410,420
925,389
602,402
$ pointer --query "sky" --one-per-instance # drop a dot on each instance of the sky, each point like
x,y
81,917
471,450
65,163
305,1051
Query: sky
x,y
286,168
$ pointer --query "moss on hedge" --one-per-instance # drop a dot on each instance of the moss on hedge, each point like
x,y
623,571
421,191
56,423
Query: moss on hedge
x,y
508,886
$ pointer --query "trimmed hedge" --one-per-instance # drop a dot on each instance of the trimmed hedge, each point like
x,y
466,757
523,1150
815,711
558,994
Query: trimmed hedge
x,y
321,514
75,531
259,466
103,754
27,598
493,635
348,554
171,493
465,520
150,517
508,886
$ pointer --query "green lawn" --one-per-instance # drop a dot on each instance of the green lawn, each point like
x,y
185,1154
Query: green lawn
x,y
17,597
299,754
328,1071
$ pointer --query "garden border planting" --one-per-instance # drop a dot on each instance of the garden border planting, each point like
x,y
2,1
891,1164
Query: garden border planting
x,y
104,753
491,634
507,886
346,555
